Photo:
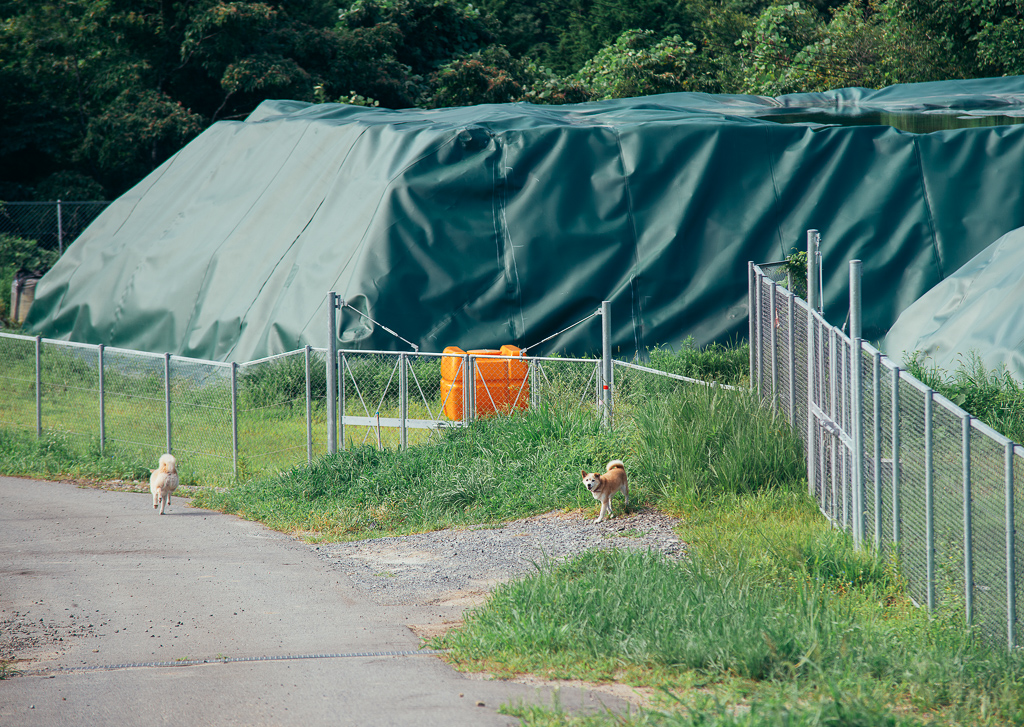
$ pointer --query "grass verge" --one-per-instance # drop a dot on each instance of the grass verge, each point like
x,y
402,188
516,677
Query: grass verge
x,y
58,454
773,620
497,470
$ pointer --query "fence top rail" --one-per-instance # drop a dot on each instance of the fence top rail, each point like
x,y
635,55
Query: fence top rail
x,y
17,336
989,431
158,356
68,344
286,354
677,377
543,359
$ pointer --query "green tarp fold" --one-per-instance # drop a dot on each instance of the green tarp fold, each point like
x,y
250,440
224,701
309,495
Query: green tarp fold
x,y
976,311
499,224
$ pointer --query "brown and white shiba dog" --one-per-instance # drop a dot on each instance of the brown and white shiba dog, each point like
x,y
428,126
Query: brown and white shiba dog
x,y
602,487
163,481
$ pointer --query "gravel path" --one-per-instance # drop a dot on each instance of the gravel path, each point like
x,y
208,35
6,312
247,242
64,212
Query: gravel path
x,y
459,567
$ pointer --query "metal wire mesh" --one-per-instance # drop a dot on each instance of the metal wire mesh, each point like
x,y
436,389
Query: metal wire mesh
x,y
566,383
17,381
371,399
947,477
896,443
272,432
988,529
53,227
135,402
70,389
201,432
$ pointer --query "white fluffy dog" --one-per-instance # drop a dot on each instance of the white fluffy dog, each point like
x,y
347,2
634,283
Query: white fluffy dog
x,y
163,481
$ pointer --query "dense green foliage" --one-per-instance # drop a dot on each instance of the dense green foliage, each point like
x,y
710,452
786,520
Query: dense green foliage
x,y
97,93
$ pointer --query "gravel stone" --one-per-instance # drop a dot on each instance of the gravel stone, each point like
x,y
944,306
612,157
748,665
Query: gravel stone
x,y
431,567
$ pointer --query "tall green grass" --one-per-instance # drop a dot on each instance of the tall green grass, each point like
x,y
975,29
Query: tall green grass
x,y
993,396
64,455
498,469
722,363
699,442
652,621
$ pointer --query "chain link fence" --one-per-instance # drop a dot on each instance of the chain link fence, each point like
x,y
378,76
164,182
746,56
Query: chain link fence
x,y
54,225
900,466
227,420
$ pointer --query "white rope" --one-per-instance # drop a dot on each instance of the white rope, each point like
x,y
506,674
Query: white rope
x,y
584,320
344,304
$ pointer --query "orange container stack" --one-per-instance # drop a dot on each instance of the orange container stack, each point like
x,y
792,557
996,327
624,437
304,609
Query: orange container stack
x,y
501,384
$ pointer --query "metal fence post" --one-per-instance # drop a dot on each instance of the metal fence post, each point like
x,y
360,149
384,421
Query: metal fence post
x,y
403,401
790,324
929,500
167,398
103,408
773,338
341,397
60,231
309,408
468,389
1011,577
332,363
606,362
534,394
39,387
758,285
857,403
812,291
968,551
896,513
234,418
751,318
877,444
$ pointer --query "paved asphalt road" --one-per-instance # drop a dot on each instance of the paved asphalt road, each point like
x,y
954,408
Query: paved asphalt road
x,y
95,586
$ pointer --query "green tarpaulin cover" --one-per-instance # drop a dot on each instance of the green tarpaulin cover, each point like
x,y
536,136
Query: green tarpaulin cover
x,y
498,224
975,311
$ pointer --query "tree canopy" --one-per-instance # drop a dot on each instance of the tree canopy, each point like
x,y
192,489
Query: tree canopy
x,y
97,93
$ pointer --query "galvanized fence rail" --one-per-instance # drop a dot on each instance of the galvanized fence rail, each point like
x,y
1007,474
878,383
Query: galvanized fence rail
x,y
901,467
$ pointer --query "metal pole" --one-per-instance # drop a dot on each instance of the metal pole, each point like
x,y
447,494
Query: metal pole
x,y
968,551
790,327
751,318
857,403
309,408
234,418
877,443
167,397
1011,577
39,388
534,394
403,401
846,422
812,288
60,231
838,486
332,371
929,500
341,396
896,514
465,388
469,386
773,313
103,408
606,361
760,336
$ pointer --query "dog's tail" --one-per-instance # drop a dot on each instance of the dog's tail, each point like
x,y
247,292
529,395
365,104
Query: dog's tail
x,y
615,463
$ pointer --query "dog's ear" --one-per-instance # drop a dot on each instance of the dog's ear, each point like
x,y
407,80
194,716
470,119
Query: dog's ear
x,y
583,473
